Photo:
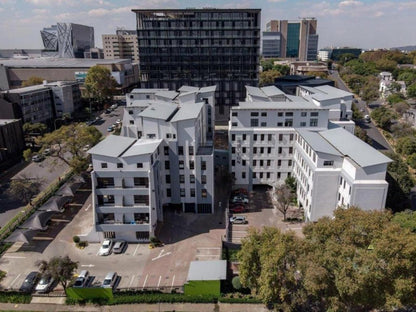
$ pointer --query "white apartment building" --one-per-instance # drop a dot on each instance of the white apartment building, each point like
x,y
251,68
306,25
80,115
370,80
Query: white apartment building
x,y
264,143
163,157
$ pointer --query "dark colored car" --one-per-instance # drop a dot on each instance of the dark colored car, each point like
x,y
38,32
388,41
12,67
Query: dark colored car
x,y
237,209
30,282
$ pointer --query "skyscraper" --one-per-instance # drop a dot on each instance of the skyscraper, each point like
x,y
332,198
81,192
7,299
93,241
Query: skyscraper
x,y
68,40
200,47
298,39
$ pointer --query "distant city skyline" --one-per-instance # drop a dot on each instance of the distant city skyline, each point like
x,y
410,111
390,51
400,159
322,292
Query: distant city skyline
x,y
364,24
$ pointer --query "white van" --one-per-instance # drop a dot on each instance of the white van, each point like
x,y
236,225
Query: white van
x,y
109,280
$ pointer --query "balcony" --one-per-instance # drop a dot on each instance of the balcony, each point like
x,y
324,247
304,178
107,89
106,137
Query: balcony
x,y
123,227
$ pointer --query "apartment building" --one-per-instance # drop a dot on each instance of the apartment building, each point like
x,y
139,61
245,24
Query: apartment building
x,y
164,157
200,47
266,140
122,45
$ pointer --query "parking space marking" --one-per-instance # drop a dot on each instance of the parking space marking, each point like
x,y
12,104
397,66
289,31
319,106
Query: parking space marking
x,y
137,247
161,254
173,281
145,280
11,284
88,265
158,283
13,257
88,207
131,280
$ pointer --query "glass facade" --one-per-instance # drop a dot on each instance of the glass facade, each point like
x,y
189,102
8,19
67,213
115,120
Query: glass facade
x,y
292,47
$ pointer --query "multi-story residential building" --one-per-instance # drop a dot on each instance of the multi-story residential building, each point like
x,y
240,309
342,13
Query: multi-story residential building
x,y
67,97
122,45
200,47
164,157
297,39
266,148
68,40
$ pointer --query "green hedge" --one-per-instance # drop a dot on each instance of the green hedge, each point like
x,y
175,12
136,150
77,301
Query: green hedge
x,y
134,297
14,297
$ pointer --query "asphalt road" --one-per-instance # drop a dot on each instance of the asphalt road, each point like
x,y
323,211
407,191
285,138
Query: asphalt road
x,y
47,171
379,142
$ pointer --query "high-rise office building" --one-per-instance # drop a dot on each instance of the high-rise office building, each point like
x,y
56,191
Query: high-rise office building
x,y
68,40
298,39
122,45
200,47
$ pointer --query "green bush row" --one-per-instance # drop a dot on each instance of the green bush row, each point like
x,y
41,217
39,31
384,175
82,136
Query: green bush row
x,y
134,297
14,297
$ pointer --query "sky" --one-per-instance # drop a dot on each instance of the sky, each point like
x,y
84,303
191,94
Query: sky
x,y
355,23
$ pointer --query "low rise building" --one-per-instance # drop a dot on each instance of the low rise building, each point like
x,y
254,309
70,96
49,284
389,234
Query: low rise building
x,y
304,68
268,143
164,157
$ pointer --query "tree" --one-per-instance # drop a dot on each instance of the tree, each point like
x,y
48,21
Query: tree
x,y
24,188
27,154
290,181
382,116
99,83
402,129
369,91
406,145
61,269
411,91
406,219
67,144
268,77
32,81
35,128
395,98
362,134
284,197
386,65
346,57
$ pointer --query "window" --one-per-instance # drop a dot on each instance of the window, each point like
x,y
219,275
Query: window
x,y
204,179
290,150
182,192
264,114
130,112
290,163
203,193
203,165
314,114
269,137
232,137
261,150
168,192
167,178
313,123
181,164
288,122
254,163
303,124
166,150
234,124
279,163
191,150
280,137
192,178
280,150
181,178
261,163
269,150
261,175
268,175
233,150
119,165
234,114
243,175
233,162
180,150
289,114
269,162
254,114
280,124
104,165
263,124
244,150
254,122
254,137
303,114
141,199
191,165
329,163
291,137
254,150
167,165
141,181
261,137
131,122
254,175
192,192
280,114
278,175
244,137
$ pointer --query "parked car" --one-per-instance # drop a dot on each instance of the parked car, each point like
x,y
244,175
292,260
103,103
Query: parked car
x,y
37,158
45,284
110,128
106,247
367,118
107,111
30,282
239,199
238,220
109,280
114,106
46,151
119,246
82,279
118,121
237,209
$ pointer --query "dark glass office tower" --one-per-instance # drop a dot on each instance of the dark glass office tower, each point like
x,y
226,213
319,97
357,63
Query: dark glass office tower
x,y
200,47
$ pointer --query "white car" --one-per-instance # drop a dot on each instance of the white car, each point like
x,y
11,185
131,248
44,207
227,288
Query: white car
x,y
45,284
238,220
106,247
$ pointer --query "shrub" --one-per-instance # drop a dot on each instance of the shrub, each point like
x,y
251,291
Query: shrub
x,y
83,244
236,283
76,239
14,297
144,297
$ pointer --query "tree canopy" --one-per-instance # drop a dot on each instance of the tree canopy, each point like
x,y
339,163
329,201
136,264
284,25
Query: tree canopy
x,y
99,83
356,261
32,81
61,269
67,142
24,188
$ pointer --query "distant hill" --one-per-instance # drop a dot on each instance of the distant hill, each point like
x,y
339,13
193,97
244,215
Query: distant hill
x,y
405,48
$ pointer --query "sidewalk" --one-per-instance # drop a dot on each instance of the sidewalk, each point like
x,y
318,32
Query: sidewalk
x,y
183,307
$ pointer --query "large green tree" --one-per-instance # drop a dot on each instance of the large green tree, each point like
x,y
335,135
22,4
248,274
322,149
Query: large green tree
x,y
67,144
99,83
24,188
61,269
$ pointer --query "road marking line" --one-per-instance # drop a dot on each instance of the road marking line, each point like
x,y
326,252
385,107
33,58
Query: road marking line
x,y
136,250
88,265
131,281
15,280
88,207
160,278
161,255
173,280
145,280
13,257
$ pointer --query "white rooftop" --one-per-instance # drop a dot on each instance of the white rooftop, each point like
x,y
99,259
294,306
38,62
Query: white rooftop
x,y
27,89
112,146
207,270
159,110
317,142
188,111
142,147
276,105
272,91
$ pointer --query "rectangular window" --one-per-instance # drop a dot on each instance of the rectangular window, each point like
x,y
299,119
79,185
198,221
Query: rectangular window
x,y
279,163
191,150
254,150
261,137
192,178
191,165
303,124
269,162
290,150
280,124
328,162
269,137
291,137
278,175
203,193
268,175
181,164
232,162
288,122
254,114
181,178
233,150
141,181
254,122
234,124
203,165
203,179
290,163
263,124
119,165
254,175
264,114
243,175
232,137
243,162
167,165
269,150
303,114
313,123
280,150
234,114
314,114
261,163
166,150
244,137
167,178
244,150
261,175
141,199
280,137
182,192
180,150
289,114
254,162
192,192
261,150
104,165
254,137
280,114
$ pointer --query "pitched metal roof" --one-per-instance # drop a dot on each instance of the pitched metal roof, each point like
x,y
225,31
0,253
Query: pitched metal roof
x,y
276,105
317,142
207,270
142,147
188,111
255,91
356,149
167,94
272,91
188,89
159,110
112,146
